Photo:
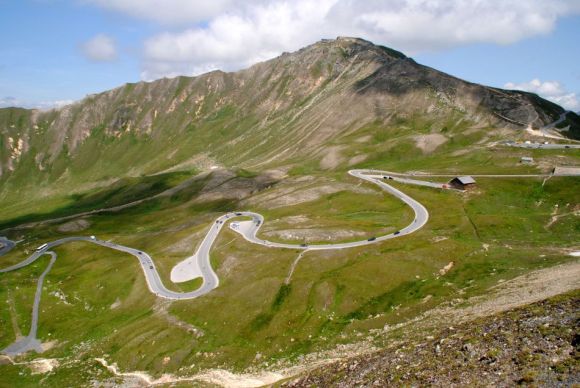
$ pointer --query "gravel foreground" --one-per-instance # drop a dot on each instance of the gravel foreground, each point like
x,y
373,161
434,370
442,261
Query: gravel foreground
x,y
536,345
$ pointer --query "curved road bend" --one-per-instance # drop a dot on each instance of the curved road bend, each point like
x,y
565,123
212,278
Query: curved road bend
x,y
200,261
249,229
151,275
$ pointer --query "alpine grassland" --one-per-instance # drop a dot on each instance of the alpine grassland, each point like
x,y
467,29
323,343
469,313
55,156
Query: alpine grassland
x,y
152,165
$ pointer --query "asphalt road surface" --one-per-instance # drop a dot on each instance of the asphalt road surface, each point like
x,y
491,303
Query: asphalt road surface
x,y
550,146
199,264
546,129
201,258
30,342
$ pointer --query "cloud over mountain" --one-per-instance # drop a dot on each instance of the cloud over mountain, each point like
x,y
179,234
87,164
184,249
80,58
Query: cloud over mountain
x,y
550,90
229,36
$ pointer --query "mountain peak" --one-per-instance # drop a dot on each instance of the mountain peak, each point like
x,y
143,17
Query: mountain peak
x,y
363,44
351,46
330,57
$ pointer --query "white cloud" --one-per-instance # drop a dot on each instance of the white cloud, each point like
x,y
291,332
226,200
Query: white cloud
x,y
231,41
235,36
167,11
100,48
6,102
550,90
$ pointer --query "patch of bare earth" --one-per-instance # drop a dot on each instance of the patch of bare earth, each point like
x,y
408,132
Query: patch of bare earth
x,y
555,217
74,226
332,158
312,234
115,304
46,346
357,159
300,191
37,366
429,143
363,139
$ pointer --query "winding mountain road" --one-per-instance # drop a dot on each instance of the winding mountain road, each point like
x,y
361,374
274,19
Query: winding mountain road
x,y
547,131
248,229
199,265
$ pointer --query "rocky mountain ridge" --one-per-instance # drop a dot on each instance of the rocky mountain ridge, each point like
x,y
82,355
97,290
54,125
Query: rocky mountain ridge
x,y
276,111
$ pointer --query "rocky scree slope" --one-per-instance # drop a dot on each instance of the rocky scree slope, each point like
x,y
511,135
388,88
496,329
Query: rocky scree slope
x,y
535,345
286,109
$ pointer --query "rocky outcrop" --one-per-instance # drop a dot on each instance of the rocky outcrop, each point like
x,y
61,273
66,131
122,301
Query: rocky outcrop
x,y
535,345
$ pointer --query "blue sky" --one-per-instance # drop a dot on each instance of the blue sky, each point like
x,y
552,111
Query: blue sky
x,y
56,51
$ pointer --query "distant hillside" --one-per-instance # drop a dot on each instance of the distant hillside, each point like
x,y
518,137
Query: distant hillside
x,y
290,108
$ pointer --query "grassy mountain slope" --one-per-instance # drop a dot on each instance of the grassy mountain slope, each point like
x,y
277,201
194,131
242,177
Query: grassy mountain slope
x,y
293,107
